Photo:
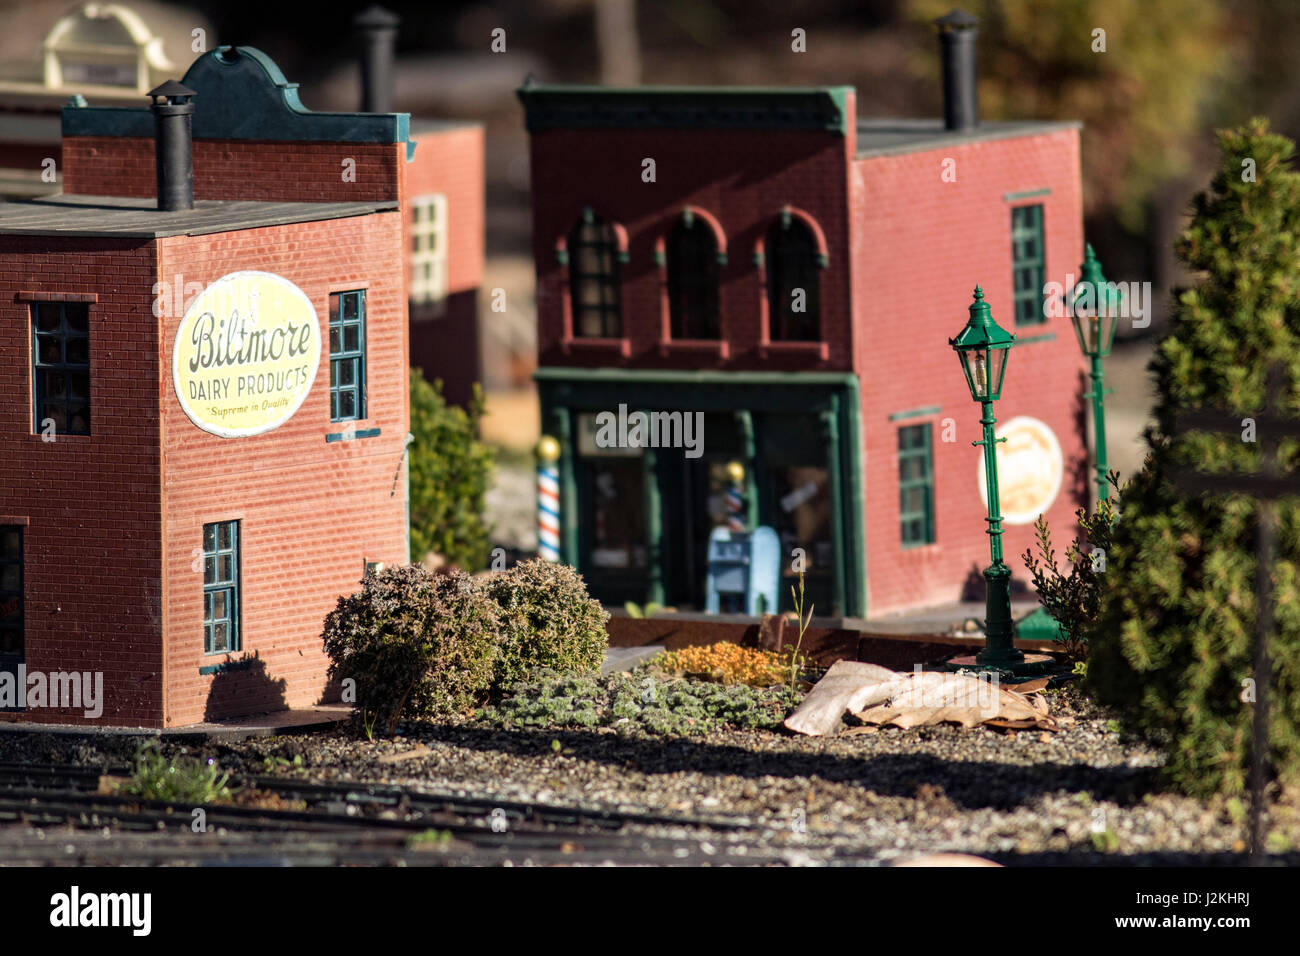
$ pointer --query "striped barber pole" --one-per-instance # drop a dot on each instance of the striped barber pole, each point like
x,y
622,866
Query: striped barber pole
x,y
735,508
548,512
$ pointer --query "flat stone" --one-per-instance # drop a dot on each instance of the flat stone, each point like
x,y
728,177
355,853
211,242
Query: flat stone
x,y
626,658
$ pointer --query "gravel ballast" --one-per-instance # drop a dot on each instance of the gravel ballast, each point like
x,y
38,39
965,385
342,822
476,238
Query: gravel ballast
x,y
1080,796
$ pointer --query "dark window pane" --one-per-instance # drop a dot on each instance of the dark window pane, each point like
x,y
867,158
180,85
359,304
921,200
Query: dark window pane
x,y
78,350
79,385
11,576
47,317
225,536
347,404
10,544
209,570
352,338
334,339
48,349
351,304
55,415
77,317
78,420
209,538
225,568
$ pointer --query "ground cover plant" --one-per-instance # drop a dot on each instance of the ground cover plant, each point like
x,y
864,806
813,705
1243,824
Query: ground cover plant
x,y
729,663
639,702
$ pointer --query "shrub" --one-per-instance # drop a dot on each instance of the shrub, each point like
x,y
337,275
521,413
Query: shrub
x,y
1073,597
450,474
418,644
547,621
1171,646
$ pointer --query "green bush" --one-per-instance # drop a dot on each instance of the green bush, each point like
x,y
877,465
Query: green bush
x,y
450,475
1073,596
418,644
548,621
1170,648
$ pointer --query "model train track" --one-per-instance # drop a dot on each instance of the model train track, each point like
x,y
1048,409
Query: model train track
x,y
347,822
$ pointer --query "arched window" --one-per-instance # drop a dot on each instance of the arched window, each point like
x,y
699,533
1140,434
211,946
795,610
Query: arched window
x,y
693,280
593,252
793,281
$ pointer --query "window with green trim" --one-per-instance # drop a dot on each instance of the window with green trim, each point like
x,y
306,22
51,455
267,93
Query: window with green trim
x,y
11,593
221,587
347,356
793,281
61,363
594,278
1027,264
916,485
693,280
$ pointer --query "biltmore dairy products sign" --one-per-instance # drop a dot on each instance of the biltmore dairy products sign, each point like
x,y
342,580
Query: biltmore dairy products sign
x,y
1030,469
246,354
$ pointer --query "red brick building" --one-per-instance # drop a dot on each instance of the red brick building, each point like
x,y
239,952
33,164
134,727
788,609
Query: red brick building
x,y
675,230
205,440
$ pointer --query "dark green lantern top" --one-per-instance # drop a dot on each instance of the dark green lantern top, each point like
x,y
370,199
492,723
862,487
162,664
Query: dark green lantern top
x,y
982,347
1096,307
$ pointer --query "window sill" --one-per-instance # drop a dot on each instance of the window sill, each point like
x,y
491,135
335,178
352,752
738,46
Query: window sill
x,y
352,435
716,347
814,350
597,346
224,666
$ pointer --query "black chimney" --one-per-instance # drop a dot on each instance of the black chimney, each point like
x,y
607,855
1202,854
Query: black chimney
x,y
957,33
173,135
378,29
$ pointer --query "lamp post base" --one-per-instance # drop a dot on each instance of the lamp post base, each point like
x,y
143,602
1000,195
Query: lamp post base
x,y
1029,665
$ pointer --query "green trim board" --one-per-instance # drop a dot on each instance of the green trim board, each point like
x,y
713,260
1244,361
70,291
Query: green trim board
x,y
1031,339
1027,194
562,106
915,413
240,93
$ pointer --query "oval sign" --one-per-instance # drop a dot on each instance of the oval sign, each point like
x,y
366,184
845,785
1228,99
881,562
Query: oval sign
x,y
246,354
1030,470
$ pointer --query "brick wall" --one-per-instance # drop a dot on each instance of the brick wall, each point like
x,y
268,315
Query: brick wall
x,y
91,503
743,178
312,512
238,169
450,161
920,246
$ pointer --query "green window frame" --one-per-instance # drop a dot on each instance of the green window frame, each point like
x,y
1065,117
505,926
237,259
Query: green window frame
x,y
221,604
11,593
1028,264
915,485
792,263
348,356
61,366
595,297
692,259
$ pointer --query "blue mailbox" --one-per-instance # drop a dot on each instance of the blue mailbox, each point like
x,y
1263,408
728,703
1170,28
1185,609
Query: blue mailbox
x,y
744,571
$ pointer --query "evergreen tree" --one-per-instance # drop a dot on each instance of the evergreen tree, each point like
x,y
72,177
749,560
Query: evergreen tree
x,y
1171,645
450,474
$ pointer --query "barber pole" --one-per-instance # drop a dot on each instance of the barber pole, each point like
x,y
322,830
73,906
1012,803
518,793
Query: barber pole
x,y
736,496
548,499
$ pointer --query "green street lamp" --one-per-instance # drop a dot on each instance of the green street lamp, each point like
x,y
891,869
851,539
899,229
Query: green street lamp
x,y
1096,306
982,347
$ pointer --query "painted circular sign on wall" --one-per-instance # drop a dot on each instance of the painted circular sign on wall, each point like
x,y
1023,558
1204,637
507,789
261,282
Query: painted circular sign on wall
x,y
246,354
1030,470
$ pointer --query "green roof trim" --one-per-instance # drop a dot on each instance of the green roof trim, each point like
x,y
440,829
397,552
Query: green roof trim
x,y
630,376
556,106
241,94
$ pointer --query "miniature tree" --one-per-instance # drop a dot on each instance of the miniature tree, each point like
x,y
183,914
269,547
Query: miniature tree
x,y
1171,643
450,473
